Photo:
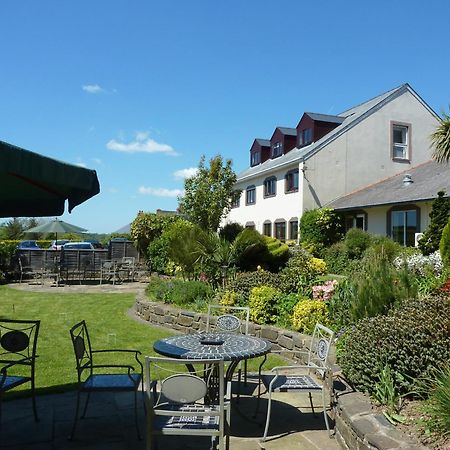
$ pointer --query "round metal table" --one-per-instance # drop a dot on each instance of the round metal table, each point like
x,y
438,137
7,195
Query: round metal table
x,y
227,346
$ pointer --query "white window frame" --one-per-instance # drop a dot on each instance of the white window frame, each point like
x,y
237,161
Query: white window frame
x,y
404,148
277,149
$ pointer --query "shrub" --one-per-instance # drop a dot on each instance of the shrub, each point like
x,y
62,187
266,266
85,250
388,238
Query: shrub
x,y
299,273
189,293
158,254
284,306
437,406
262,303
387,246
157,288
412,339
378,286
336,258
439,216
421,265
228,298
250,250
320,227
230,231
340,304
307,313
444,246
246,281
324,291
278,254
357,242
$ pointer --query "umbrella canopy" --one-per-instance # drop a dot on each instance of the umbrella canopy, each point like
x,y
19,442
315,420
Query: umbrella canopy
x,y
56,226
32,185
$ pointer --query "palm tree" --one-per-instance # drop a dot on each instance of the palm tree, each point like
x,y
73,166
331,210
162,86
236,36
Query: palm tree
x,y
441,140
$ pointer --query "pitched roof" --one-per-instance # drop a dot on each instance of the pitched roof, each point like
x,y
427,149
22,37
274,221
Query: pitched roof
x,y
427,180
263,142
351,118
288,131
325,117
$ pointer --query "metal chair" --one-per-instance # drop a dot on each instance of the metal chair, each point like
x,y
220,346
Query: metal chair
x,y
229,319
18,342
109,271
128,379
309,377
194,403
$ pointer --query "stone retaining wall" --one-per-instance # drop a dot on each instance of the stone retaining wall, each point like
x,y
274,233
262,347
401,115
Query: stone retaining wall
x,y
358,426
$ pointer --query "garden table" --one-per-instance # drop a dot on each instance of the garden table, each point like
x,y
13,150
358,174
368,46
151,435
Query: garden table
x,y
227,346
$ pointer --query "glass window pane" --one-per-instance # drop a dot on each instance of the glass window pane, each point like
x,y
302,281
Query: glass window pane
x,y
398,226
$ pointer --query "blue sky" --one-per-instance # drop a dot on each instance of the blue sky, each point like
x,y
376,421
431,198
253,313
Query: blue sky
x,y
139,90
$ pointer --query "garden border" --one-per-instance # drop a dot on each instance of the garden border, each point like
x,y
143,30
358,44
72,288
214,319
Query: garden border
x,y
358,425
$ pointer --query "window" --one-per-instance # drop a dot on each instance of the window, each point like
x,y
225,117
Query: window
x,y
355,221
250,225
305,136
280,230
235,203
403,225
292,181
277,149
255,158
400,141
250,195
267,228
270,187
293,229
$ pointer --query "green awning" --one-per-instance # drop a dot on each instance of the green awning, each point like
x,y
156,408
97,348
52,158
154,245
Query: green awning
x,y
32,185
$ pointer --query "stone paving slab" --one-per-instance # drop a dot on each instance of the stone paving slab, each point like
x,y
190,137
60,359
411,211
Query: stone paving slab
x,y
110,425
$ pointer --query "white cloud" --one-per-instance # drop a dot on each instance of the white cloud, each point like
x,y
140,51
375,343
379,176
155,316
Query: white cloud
x,y
81,164
160,192
141,144
92,88
185,173
97,161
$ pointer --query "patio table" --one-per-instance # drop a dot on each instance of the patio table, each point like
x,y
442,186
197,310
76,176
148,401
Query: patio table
x,y
227,346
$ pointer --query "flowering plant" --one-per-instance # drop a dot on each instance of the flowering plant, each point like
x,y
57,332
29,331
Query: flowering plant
x,y
421,265
325,291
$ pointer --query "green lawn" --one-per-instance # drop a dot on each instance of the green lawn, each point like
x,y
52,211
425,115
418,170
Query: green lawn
x,y
108,323
105,314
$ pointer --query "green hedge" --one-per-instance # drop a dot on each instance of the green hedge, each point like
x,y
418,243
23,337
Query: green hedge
x,y
411,339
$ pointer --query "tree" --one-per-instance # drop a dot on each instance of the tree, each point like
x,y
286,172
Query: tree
x,y
441,140
210,193
440,212
13,229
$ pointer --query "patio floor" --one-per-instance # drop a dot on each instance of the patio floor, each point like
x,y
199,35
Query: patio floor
x,y
109,424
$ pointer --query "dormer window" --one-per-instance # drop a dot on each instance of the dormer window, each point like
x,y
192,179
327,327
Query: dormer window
x,y
255,158
305,136
277,149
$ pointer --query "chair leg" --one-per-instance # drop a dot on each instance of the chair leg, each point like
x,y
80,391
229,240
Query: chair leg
x,y
325,415
75,420
312,404
245,372
269,405
136,415
86,405
33,398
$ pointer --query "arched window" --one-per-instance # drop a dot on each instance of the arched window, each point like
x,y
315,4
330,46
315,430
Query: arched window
x,y
250,195
270,187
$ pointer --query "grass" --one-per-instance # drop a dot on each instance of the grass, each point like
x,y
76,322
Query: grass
x,y
105,314
108,323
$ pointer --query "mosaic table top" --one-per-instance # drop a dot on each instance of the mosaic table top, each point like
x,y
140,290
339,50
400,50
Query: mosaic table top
x,y
226,346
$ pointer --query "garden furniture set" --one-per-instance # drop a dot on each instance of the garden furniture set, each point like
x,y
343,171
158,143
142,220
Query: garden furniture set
x,y
188,388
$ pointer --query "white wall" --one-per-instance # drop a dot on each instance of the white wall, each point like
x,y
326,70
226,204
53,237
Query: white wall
x,y
281,206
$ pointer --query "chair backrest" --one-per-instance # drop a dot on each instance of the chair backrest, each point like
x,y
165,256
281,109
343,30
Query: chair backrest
x,y
81,347
129,260
228,319
18,341
320,346
168,382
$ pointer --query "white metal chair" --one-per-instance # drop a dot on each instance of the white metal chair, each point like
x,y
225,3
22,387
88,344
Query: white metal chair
x,y
229,319
192,403
309,377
